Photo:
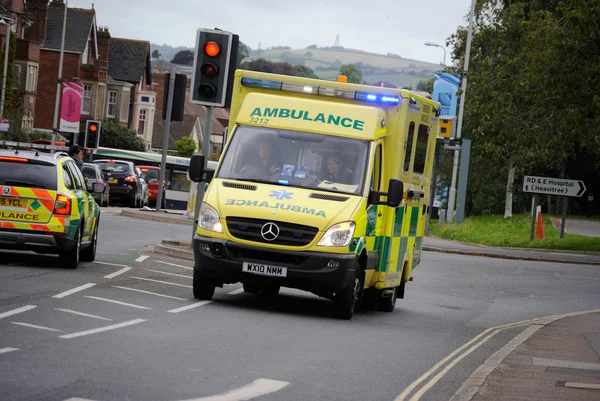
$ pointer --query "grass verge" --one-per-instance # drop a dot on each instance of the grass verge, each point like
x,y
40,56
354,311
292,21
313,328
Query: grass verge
x,y
497,231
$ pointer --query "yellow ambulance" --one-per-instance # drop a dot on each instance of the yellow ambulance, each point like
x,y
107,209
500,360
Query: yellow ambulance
x,y
322,186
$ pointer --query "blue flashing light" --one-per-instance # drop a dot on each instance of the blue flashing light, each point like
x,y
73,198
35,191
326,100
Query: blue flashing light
x,y
390,99
261,83
283,182
373,97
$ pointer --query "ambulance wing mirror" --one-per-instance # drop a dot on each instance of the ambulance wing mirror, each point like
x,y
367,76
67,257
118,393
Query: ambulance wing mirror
x,y
395,192
196,169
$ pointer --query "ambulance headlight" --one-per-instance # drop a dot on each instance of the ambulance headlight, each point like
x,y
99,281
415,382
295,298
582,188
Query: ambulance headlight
x,y
209,219
338,235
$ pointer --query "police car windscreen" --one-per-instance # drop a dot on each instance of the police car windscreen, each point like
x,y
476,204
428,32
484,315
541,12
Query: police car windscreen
x,y
30,174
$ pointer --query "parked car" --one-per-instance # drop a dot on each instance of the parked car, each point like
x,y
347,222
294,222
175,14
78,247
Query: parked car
x,y
94,174
150,174
124,181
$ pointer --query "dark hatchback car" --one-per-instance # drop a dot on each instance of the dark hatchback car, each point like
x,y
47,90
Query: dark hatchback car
x,y
93,174
124,181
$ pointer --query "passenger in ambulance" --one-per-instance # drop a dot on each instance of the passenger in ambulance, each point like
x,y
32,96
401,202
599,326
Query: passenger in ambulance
x,y
336,171
263,166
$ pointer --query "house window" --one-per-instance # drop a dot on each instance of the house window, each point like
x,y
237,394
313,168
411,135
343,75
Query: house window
x,y
112,104
86,104
142,121
125,97
17,77
32,73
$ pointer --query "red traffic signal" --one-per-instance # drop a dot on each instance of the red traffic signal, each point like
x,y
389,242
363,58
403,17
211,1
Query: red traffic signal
x,y
212,49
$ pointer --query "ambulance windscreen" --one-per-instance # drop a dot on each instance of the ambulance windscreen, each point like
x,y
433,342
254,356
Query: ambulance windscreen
x,y
295,158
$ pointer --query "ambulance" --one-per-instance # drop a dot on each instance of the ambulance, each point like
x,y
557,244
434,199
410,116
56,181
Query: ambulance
x,y
322,186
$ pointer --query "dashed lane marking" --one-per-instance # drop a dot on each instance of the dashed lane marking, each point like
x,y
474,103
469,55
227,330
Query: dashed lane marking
x,y
149,293
74,290
83,314
142,258
101,329
190,306
257,388
7,350
174,264
110,264
118,302
118,272
17,311
34,326
171,274
161,282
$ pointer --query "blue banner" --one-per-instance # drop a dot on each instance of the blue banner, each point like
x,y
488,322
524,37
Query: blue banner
x,y
445,87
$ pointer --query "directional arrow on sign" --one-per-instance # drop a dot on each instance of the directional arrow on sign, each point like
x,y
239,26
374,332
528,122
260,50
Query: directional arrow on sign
x,y
553,186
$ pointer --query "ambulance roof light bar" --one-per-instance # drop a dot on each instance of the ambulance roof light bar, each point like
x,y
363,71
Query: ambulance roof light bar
x,y
321,91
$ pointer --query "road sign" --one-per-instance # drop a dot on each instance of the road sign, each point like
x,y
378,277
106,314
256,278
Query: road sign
x,y
553,186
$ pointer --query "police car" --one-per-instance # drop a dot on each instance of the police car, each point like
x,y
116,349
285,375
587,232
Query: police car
x,y
45,206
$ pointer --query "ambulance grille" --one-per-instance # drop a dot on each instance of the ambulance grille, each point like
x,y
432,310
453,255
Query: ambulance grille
x,y
246,187
289,234
329,197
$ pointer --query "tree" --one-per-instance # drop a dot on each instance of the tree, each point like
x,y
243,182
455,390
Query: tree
x,y
304,71
354,74
186,147
156,54
263,65
243,52
117,136
184,57
425,85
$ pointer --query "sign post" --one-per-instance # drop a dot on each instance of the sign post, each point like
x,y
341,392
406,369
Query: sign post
x,y
553,186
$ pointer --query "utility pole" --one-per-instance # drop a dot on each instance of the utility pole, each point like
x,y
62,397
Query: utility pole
x,y
60,72
452,194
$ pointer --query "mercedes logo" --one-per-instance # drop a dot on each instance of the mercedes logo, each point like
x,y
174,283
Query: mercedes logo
x,y
270,231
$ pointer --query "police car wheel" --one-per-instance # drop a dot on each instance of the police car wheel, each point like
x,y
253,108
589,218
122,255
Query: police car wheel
x,y
70,258
203,288
387,304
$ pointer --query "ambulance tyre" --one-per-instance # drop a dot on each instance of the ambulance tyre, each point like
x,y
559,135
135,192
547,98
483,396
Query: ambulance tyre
x,y
203,288
89,253
387,304
70,258
346,302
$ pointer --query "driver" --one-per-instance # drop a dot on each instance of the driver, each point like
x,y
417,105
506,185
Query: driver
x,y
336,172
264,166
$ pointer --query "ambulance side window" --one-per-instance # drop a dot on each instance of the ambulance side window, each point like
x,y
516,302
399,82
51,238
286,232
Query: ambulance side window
x,y
421,149
67,177
409,145
76,176
376,177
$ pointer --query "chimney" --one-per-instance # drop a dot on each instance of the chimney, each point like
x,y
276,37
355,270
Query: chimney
x,y
103,43
37,11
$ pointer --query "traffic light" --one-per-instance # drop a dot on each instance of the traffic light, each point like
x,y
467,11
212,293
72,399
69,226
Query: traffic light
x,y
447,127
92,134
214,65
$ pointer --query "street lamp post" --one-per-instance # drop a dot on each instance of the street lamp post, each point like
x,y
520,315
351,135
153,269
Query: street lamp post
x,y
440,46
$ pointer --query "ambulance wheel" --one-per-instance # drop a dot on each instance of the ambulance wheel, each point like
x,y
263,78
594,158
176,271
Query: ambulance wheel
x,y
387,304
89,253
346,302
70,258
270,290
369,300
203,288
251,288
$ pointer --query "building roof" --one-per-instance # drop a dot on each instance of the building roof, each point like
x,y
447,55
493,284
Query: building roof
x,y
80,22
127,60
178,130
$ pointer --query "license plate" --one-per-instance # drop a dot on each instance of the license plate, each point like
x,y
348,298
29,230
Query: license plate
x,y
264,270
13,203
113,181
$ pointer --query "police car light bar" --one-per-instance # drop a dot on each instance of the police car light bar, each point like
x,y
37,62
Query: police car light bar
x,y
321,91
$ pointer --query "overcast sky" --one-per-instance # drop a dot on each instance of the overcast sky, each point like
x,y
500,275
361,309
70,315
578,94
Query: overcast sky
x,y
382,26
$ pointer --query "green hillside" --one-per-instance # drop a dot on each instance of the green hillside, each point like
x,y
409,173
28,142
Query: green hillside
x,y
326,62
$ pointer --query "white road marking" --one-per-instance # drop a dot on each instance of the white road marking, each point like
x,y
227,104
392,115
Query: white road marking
x,y
7,350
162,282
74,290
190,306
176,265
117,253
118,302
235,292
111,264
33,326
585,386
255,389
170,274
557,363
83,314
150,293
17,311
78,399
101,329
142,258
118,272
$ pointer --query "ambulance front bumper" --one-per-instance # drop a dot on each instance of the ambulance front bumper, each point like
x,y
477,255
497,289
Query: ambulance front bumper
x,y
226,262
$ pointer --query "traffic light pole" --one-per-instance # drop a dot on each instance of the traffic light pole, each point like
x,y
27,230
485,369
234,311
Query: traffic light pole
x,y
163,161
60,72
206,152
